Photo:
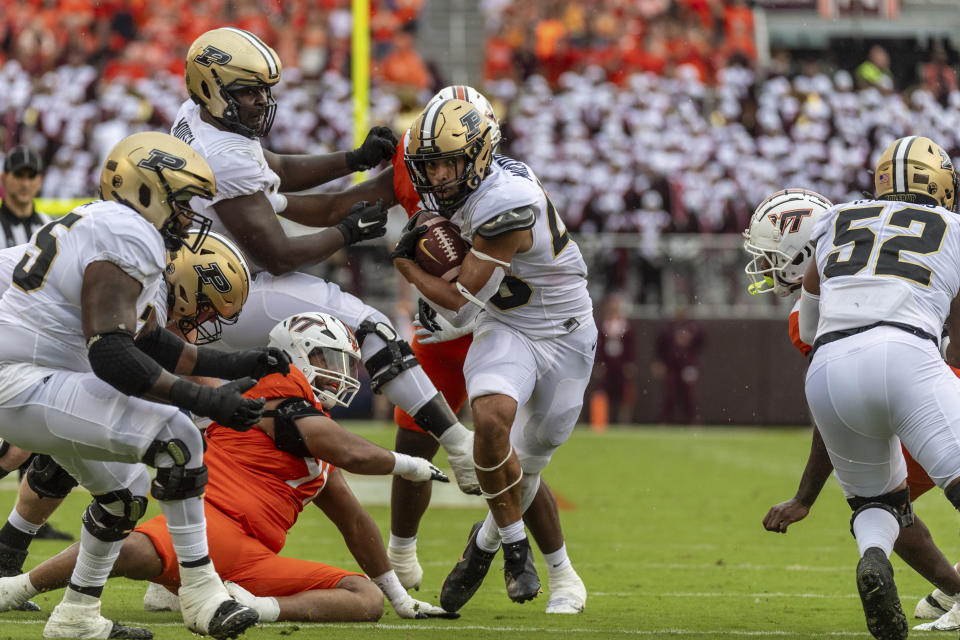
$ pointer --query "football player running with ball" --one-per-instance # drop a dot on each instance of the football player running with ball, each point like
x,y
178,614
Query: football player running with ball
x,y
88,377
885,280
229,75
533,347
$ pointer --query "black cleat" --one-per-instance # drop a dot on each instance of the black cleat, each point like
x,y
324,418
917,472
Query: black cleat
x,y
231,619
47,532
123,632
523,583
878,592
467,574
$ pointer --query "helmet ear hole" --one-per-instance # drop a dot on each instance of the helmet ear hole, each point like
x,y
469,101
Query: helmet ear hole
x,y
205,89
144,195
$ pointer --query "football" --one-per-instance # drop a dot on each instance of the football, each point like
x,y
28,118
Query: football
x,y
440,249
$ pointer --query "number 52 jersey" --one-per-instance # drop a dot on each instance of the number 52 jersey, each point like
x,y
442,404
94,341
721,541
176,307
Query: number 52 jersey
x,y
41,328
885,260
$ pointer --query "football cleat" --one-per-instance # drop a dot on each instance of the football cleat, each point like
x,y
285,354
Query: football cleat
x,y
157,598
520,574
406,566
568,594
950,621
15,594
75,620
11,564
467,574
934,605
878,593
206,606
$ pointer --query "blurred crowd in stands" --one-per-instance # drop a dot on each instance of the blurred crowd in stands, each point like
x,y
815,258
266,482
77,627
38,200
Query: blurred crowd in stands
x,y
641,116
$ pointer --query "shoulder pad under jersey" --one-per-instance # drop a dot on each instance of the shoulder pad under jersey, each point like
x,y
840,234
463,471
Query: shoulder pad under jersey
x,y
512,220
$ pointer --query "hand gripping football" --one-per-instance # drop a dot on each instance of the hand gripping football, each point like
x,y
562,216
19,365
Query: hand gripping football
x,y
440,250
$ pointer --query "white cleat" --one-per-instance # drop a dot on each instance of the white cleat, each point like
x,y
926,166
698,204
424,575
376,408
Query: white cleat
x,y
267,608
950,621
568,594
75,620
934,605
406,566
15,591
157,598
207,607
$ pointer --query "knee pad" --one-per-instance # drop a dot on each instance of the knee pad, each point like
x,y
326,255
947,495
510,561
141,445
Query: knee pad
x,y
529,487
896,502
390,361
175,482
48,479
435,416
107,526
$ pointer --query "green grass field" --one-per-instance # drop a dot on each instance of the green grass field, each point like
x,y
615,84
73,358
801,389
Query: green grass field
x,y
664,528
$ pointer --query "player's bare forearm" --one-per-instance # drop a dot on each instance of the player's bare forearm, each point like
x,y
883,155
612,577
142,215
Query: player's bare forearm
x,y
327,209
359,530
435,289
327,440
299,172
816,472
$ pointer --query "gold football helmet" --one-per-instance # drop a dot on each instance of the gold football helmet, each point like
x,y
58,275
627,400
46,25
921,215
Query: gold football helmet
x,y
477,99
915,169
206,289
224,60
449,130
156,175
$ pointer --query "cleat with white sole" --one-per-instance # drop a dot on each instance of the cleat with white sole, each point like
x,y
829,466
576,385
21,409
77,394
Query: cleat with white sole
x,y
934,605
950,621
77,620
407,567
568,594
157,598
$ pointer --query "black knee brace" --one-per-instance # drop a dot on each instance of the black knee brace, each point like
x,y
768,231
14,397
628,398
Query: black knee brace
x,y
176,482
895,502
48,479
108,527
393,359
436,416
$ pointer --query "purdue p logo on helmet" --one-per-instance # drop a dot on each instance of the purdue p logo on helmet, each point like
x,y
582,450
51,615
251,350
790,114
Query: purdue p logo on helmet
x,y
224,60
915,169
449,130
156,175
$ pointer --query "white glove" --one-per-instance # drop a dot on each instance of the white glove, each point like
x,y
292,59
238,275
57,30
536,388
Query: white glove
x,y
404,604
416,469
432,327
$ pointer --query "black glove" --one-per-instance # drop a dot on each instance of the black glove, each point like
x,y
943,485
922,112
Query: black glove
x,y
225,404
407,243
427,316
255,363
364,222
377,147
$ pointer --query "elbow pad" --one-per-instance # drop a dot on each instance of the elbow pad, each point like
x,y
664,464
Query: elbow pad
x,y
468,312
161,345
115,359
809,316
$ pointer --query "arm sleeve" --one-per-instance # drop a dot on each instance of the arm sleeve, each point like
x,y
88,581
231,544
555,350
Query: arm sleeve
x,y
116,360
808,316
161,345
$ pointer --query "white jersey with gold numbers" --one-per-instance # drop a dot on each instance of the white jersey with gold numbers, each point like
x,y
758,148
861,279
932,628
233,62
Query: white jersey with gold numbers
x,y
40,313
545,290
887,261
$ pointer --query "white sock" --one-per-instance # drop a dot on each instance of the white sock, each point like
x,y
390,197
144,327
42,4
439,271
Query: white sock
x,y
557,561
488,538
188,528
22,585
390,585
94,560
876,528
20,524
513,532
399,543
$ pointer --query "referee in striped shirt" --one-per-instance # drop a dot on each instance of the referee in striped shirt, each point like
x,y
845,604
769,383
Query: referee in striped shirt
x,y
21,178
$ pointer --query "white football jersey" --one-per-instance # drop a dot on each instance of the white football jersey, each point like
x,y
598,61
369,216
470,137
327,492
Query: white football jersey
x,y
545,290
890,261
40,314
237,162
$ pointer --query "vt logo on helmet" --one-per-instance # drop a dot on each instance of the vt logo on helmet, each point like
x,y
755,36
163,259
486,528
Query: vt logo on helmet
x,y
449,154
915,169
222,62
206,289
156,175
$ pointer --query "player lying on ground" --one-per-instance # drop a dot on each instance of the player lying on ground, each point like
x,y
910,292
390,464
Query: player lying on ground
x,y
259,481
778,239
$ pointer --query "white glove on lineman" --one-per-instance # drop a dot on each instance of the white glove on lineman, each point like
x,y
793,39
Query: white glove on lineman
x,y
416,469
432,327
405,605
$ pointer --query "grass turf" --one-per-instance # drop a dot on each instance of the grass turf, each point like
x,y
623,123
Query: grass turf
x,y
662,524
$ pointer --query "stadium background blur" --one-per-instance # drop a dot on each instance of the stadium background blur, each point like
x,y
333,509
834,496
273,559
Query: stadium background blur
x,y
656,126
